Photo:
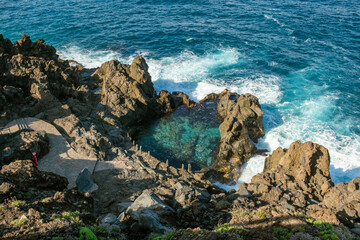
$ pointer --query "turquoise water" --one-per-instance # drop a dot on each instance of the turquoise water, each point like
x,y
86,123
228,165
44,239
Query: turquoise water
x,y
301,58
185,136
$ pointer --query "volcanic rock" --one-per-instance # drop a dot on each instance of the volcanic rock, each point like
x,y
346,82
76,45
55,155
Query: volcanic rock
x,y
241,128
344,199
151,213
298,176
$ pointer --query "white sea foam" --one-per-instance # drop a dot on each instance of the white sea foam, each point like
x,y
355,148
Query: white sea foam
x,y
185,71
309,125
265,87
87,58
272,18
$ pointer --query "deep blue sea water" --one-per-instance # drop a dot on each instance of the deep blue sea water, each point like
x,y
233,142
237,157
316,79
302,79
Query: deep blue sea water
x,y
301,58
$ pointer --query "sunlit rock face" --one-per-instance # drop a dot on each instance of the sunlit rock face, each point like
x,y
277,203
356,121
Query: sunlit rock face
x,y
185,136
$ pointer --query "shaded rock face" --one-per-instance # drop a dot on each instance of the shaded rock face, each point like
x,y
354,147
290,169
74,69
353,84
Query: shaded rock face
x,y
344,200
24,175
31,74
39,199
241,127
21,144
151,213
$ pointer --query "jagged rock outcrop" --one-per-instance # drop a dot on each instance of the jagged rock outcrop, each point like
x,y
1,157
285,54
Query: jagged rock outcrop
x,y
129,94
166,102
126,89
241,128
21,144
295,177
298,179
344,200
35,78
123,94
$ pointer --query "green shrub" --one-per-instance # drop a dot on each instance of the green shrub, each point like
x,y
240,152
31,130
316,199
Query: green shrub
x,y
262,215
310,220
87,234
282,233
230,228
16,203
299,229
155,236
325,229
70,216
169,235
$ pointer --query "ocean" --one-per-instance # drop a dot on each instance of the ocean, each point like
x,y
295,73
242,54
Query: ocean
x,y
300,58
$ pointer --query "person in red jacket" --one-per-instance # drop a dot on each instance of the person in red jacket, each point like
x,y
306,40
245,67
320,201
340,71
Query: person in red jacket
x,y
35,158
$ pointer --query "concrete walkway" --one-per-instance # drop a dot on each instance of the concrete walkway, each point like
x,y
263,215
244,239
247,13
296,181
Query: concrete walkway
x,y
61,159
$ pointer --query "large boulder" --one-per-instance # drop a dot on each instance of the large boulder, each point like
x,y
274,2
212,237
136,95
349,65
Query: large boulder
x,y
128,92
305,162
151,213
241,127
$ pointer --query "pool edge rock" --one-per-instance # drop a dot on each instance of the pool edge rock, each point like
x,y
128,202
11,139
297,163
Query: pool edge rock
x,y
241,127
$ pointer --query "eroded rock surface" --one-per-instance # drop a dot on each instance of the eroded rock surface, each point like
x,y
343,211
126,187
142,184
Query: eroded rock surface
x,y
344,200
241,128
298,176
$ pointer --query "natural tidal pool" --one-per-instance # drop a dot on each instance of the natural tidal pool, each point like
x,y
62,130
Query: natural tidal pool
x,y
185,136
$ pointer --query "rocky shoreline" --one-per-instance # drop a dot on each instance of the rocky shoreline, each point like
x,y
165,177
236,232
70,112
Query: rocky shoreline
x,y
137,196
